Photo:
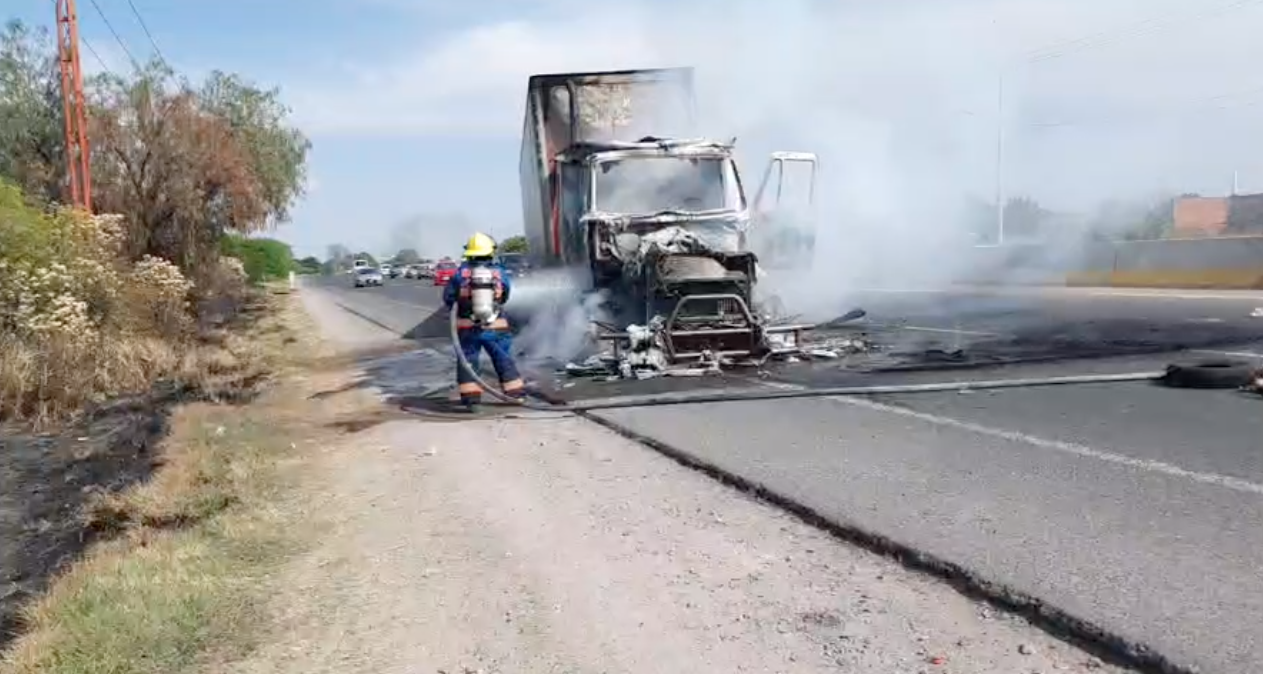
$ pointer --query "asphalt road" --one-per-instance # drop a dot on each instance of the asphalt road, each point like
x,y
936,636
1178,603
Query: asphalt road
x,y
1135,507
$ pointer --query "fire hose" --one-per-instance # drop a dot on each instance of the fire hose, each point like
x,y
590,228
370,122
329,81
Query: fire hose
x,y
779,394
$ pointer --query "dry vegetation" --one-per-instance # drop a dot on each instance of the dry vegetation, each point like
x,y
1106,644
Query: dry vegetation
x,y
81,321
183,581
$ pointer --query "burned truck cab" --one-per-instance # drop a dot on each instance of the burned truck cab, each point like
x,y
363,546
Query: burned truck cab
x,y
626,199
659,223
661,226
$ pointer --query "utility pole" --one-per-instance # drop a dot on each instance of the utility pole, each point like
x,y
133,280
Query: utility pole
x,y
78,156
999,161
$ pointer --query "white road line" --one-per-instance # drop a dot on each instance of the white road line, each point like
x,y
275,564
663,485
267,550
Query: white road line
x,y
1173,295
1235,354
1071,448
1070,291
947,331
905,291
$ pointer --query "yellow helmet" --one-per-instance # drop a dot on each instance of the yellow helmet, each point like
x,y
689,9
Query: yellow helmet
x,y
480,245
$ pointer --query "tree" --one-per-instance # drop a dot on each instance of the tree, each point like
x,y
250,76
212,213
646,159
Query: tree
x,y
407,256
184,167
514,244
337,253
1134,219
1024,218
1156,222
276,152
309,265
263,259
32,147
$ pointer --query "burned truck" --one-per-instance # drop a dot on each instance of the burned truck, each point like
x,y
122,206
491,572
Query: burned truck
x,y
616,184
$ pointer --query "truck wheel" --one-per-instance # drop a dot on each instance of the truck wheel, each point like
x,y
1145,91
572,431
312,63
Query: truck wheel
x,y
1208,374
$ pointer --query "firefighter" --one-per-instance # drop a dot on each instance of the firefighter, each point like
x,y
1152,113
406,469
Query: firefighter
x,y
475,335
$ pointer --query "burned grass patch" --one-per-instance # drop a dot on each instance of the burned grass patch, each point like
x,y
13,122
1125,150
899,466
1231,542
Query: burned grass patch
x,y
62,487
47,481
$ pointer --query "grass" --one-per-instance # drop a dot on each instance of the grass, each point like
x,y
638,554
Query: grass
x,y
184,580
47,382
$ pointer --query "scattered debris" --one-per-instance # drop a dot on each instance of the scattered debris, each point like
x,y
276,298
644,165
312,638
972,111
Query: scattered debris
x,y
646,349
1256,382
594,366
778,341
842,346
643,354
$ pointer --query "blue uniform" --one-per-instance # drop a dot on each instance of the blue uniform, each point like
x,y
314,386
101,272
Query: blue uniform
x,y
495,338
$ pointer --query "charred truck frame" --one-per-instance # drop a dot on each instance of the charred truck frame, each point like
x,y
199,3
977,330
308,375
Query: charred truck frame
x,y
660,224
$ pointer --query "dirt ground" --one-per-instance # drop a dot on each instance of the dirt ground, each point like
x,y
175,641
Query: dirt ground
x,y
549,544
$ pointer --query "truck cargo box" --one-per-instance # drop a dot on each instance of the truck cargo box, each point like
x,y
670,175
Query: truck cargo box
x,y
565,109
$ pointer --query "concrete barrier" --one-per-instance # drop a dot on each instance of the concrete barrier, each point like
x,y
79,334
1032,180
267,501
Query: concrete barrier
x,y
1223,263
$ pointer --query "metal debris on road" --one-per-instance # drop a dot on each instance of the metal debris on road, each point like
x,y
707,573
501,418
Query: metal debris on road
x,y
646,349
1256,382
838,347
593,366
644,355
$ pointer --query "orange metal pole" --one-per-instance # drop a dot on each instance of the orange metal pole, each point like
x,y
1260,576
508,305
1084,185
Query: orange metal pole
x,y
67,100
81,111
74,105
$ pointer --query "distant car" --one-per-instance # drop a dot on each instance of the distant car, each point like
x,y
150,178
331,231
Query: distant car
x,y
515,264
410,271
367,276
443,272
425,270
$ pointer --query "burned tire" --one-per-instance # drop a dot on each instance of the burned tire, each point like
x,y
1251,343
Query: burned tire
x,y
1208,374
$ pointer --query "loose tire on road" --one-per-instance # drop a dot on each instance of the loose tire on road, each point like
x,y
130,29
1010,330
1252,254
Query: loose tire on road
x,y
1208,374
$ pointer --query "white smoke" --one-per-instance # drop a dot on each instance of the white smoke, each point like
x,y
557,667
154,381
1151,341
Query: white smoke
x,y
558,310
899,99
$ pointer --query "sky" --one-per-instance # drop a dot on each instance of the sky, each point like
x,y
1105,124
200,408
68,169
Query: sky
x,y
414,107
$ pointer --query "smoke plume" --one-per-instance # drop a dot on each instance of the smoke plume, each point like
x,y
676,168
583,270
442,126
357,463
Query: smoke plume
x,y
915,107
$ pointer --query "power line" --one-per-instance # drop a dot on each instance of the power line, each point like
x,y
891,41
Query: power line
x,y
145,27
1152,24
118,38
88,45
1198,106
